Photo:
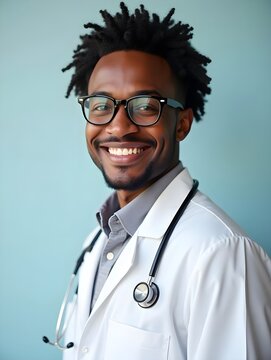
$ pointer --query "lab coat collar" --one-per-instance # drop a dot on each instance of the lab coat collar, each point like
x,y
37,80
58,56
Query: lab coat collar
x,y
166,206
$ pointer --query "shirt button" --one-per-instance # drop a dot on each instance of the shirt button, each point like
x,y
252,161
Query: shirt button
x,y
110,256
84,349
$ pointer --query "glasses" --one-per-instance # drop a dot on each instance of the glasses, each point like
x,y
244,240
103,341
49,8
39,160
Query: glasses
x,y
142,110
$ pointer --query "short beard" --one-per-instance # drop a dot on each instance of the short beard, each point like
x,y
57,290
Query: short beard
x,y
132,184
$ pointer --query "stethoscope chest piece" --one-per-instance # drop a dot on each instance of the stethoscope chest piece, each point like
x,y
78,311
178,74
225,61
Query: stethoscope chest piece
x,y
146,295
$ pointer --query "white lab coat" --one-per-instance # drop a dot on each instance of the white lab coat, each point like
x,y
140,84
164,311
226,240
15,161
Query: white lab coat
x,y
215,293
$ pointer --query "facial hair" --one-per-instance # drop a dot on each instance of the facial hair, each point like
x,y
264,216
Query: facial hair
x,y
129,184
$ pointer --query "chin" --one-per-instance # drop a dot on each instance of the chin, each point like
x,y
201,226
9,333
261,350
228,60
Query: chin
x,y
126,183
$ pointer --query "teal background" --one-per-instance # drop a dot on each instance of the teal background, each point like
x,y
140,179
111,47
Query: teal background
x,y
49,189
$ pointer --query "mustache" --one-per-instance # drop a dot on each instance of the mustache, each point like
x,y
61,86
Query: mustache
x,y
127,138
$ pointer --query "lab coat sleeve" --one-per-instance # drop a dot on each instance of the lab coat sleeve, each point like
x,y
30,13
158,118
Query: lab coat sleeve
x,y
228,305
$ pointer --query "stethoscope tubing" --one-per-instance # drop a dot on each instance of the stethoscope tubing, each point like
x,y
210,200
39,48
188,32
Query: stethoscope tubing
x,y
60,333
171,227
87,249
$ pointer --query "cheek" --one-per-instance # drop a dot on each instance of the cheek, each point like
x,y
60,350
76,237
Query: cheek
x,y
165,133
91,132
168,144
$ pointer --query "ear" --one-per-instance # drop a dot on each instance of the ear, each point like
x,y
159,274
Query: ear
x,y
184,123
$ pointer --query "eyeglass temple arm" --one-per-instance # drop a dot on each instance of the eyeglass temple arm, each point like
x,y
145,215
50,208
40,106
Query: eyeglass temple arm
x,y
175,104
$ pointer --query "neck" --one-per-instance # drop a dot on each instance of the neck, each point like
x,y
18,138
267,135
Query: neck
x,y
126,196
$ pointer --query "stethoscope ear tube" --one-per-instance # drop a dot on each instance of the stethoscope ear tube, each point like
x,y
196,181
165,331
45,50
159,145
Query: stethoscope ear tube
x,y
60,327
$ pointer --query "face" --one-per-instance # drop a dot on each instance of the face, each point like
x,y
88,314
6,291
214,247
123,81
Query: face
x,y
132,157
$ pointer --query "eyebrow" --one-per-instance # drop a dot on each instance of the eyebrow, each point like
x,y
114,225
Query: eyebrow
x,y
139,92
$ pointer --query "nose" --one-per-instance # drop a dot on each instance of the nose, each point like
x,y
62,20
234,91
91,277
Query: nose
x,y
121,125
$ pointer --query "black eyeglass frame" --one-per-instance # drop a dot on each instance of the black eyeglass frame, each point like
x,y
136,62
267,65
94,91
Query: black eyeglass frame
x,y
162,100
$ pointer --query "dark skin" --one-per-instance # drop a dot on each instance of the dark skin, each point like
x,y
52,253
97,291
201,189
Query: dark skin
x,y
155,149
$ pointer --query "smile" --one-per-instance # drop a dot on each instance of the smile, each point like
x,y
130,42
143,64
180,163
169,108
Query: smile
x,y
124,151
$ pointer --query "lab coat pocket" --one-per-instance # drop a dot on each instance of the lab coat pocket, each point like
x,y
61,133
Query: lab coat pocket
x,y
127,342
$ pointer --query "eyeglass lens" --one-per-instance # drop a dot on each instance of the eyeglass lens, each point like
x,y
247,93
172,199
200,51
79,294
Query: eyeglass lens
x,y
142,110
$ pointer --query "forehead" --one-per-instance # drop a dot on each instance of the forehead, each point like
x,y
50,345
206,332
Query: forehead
x,y
132,71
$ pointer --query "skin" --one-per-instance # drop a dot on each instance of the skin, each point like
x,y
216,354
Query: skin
x,y
123,74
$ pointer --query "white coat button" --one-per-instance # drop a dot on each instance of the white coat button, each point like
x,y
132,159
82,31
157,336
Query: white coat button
x,y
84,349
110,256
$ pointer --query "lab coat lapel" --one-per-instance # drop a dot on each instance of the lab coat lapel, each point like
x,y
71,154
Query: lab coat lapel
x,y
120,269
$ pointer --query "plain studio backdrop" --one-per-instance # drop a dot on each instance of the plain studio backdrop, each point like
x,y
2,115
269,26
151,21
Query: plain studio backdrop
x,y
49,188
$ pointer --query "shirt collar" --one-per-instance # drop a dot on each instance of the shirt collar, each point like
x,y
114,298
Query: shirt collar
x,y
132,215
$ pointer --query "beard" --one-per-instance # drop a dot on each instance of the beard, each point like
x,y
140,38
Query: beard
x,y
125,183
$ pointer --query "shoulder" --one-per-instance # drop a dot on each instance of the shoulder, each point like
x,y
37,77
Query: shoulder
x,y
205,221
209,235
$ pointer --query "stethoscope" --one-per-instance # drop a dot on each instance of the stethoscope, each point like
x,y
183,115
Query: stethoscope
x,y
145,294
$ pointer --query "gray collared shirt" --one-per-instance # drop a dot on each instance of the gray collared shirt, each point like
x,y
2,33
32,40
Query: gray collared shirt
x,y
119,224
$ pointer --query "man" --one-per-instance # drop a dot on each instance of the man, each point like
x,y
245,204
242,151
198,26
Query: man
x,y
140,83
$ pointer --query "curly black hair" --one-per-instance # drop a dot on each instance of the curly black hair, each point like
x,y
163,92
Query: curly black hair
x,y
139,31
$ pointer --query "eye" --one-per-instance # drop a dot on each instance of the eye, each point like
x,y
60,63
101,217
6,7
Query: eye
x,y
145,106
99,106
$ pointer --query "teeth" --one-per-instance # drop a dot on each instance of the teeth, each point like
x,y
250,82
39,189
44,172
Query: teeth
x,y
124,151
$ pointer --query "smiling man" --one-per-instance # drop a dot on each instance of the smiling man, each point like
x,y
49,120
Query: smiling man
x,y
166,274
